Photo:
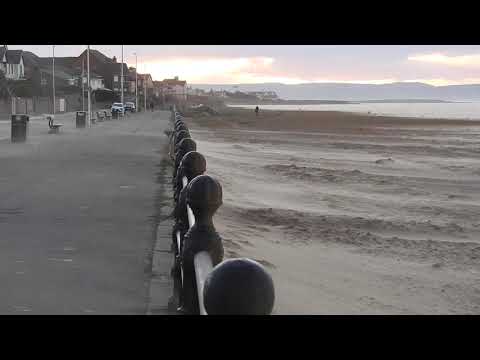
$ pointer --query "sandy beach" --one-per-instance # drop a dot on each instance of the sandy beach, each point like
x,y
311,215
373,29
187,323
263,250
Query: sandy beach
x,y
351,214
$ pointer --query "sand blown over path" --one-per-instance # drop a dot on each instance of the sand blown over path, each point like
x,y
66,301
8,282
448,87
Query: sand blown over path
x,y
382,222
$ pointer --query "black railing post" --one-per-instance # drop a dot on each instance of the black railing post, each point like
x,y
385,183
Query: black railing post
x,y
203,284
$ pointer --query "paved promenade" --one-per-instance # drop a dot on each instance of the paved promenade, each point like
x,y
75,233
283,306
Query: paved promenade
x,y
79,213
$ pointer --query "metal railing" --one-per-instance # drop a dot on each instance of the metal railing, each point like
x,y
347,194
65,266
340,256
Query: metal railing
x,y
204,283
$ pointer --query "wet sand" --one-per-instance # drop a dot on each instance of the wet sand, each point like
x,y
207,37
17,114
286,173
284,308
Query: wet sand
x,y
351,214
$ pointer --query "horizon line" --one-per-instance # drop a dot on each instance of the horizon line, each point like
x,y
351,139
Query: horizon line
x,y
332,83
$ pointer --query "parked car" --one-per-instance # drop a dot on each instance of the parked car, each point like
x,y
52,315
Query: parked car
x,y
118,107
130,106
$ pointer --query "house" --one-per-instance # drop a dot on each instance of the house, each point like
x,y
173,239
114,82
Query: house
x,y
105,67
115,71
196,92
158,88
11,63
145,81
141,80
174,88
130,80
96,81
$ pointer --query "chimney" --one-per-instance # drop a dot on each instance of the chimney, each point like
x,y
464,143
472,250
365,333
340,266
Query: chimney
x,y
114,59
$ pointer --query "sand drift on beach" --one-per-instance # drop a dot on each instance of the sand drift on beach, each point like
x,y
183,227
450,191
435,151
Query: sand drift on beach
x,y
382,219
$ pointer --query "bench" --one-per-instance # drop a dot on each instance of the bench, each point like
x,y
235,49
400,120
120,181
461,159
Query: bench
x,y
54,128
100,116
108,114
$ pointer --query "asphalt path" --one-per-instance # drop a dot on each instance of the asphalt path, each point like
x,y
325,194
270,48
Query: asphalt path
x,y
78,215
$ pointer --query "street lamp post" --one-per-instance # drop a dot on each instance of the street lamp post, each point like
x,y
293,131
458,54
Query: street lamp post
x,y
83,85
53,77
136,82
88,86
145,87
121,76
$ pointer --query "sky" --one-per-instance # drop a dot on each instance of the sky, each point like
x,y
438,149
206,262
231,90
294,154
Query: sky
x,y
293,64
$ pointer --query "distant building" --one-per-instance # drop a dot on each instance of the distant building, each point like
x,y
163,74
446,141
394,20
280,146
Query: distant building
x,y
96,82
145,81
64,77
221,94
158,88
174,88
116,72
130,80
106,67
264,95
11,63
196,92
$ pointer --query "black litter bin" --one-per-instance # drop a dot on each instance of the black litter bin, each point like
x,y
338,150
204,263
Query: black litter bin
x,y
19,127
81,119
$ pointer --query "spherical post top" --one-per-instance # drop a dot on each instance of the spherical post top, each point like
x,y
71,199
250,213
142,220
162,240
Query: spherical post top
x,y
179,122
193,164
181,126
239,287
204,196
183,134
184,146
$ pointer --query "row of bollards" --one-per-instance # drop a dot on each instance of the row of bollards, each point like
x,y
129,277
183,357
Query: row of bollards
x,y
203,283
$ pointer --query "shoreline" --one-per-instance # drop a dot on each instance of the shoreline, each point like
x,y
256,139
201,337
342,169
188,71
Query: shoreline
x,y
326,102
358,113
291,120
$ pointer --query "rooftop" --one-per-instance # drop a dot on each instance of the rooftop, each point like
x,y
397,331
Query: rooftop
x,y
3,49
174,82
13,56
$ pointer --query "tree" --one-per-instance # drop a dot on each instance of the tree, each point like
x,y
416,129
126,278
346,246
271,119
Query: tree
x,y
35,82
5,92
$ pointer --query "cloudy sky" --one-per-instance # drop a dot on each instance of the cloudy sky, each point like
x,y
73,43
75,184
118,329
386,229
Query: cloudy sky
x,y
290,64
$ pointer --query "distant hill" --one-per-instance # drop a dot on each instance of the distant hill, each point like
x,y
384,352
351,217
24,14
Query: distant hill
x,y
359,92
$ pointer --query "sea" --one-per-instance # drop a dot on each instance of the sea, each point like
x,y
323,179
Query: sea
x,y
450,110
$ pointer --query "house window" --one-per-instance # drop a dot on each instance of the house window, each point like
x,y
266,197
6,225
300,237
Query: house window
x,y
115,78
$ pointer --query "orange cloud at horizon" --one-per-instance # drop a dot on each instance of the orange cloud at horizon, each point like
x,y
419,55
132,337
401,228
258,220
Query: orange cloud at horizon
x,y
204,69
471,60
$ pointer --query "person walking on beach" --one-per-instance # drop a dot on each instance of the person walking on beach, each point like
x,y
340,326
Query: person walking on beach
x,y
256,111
